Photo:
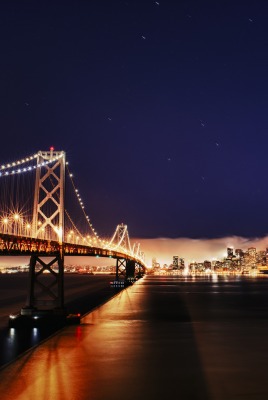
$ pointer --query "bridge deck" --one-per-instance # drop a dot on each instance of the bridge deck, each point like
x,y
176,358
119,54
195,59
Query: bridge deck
x,y
162,338
11,245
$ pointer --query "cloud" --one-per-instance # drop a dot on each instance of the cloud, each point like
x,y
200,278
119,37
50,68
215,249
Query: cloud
x,y
196,249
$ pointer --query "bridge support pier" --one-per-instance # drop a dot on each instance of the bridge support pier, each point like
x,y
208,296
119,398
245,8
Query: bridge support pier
x,y
120,268
45,300
130,271
46,289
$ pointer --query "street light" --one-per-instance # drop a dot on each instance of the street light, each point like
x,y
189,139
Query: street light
x,y
17,220
5,224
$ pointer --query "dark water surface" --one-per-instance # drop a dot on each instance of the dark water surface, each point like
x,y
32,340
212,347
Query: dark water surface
x,y
162,338
82,294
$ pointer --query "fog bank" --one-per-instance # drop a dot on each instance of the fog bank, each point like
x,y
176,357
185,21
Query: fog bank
x,y
196,249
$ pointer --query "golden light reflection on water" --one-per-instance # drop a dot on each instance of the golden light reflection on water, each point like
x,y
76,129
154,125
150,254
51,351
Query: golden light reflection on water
x,y
153,340
72,364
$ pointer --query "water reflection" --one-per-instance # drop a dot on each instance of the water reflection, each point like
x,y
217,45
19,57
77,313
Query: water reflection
x,y
14,341
17,339
35,336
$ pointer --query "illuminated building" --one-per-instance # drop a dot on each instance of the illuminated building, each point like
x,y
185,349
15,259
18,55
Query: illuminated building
x,y
175,262
181,263
230,252
207,265
239,253
252,252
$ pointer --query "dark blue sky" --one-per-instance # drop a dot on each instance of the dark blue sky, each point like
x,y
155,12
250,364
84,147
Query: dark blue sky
x,y
161,108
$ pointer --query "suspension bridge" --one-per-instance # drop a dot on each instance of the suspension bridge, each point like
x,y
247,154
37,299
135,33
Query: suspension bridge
x,y
43,216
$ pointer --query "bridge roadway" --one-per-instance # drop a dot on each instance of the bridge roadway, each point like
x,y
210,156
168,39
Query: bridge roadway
x,y
11,245
162,338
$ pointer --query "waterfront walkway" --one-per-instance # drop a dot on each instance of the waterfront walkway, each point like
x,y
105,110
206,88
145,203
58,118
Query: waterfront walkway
x,y
162,338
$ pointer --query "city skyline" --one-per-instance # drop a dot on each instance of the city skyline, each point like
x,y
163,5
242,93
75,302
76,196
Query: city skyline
x,y
163,249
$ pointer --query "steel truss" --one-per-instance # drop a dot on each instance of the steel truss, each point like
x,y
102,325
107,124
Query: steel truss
x,y
51,293
128,269
48,210
121,264
121,239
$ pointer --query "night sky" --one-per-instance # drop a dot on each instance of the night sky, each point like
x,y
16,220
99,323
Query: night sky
x,y
161,107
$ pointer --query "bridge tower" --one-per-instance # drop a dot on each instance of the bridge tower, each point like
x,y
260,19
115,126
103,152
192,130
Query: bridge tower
x,y
121,240
125,266
46,291
48,210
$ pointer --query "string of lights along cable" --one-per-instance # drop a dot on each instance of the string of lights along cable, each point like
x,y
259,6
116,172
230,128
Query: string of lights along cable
x,y
41,199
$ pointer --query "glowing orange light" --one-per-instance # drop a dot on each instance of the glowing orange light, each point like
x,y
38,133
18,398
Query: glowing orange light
x,y
16,217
